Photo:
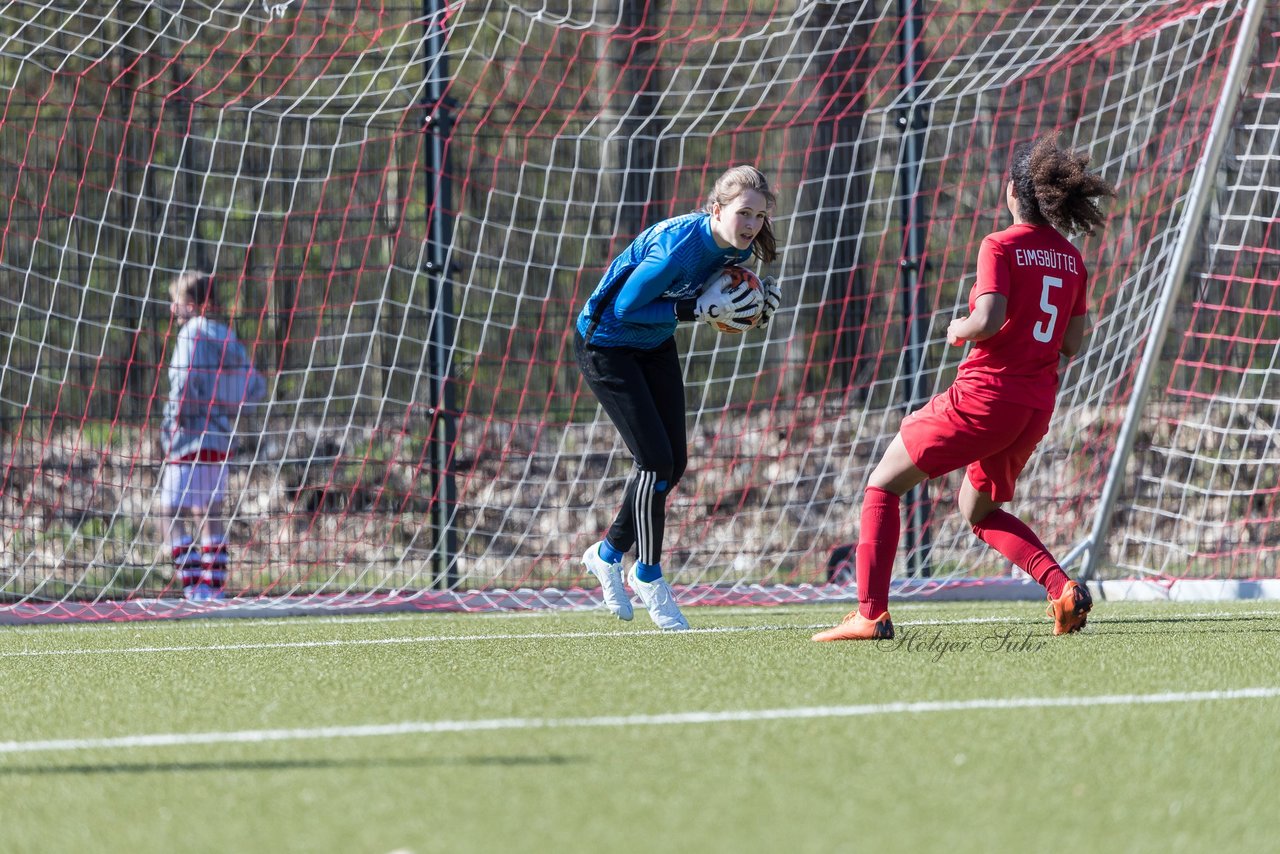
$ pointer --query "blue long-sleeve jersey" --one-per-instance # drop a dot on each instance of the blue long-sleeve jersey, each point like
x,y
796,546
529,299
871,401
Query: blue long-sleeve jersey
x,y
634,304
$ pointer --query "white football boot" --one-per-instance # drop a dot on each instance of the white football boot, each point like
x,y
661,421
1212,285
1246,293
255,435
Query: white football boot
x,y
661,602
615,596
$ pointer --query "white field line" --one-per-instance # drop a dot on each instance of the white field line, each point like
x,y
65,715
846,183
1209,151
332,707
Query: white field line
x,y
419,639
290,621
260,736
472,638
286,620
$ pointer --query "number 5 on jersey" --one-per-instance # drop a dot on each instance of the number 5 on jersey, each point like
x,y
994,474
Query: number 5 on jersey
x,y
1043,332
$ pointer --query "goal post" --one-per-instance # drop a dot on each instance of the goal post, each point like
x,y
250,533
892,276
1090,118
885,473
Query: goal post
x,y
405,204
1094,546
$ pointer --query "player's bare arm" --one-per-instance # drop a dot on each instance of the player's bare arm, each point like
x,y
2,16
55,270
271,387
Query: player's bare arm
x,y
1073,337
986,319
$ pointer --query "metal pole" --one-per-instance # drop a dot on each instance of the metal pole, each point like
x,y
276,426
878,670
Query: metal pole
x,y
631,106
913,123
1094,546
438,125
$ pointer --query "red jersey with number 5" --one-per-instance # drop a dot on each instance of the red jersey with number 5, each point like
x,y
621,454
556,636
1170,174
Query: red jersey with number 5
x,y
1042,276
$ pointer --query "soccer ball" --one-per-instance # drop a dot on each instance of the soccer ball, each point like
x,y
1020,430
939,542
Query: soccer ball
x,y
741,278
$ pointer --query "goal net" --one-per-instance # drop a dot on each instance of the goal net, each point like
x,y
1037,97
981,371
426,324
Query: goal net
x,y
405,204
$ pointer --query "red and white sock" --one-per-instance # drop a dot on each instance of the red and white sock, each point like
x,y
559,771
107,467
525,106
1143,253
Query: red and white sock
x,y
214,560
186,560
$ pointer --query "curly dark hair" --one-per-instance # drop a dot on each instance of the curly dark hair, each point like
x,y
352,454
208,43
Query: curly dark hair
x,y
1053,185
729,186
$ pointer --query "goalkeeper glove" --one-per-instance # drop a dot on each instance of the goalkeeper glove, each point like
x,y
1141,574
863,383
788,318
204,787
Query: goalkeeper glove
x,y
737,310
772,299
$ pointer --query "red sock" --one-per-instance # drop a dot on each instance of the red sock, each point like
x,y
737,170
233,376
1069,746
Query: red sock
x,y
877,546
1008,535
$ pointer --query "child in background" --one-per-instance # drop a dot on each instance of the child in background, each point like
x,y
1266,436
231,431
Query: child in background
x,y
210,379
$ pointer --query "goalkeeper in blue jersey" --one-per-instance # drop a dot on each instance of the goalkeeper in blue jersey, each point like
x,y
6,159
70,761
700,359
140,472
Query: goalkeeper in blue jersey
x,y
671,273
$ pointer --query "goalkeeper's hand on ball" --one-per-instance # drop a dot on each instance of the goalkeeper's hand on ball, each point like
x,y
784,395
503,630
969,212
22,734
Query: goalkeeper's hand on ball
x,y
736,310
772,299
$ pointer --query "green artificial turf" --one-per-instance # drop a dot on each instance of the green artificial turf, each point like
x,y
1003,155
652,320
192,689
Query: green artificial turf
x,y
544,733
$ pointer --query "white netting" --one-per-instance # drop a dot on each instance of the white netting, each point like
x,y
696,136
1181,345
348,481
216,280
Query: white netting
x,y
429,433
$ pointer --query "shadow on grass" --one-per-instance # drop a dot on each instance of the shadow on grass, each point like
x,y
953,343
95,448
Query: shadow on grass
x,y
1169,626
289,765
1191,622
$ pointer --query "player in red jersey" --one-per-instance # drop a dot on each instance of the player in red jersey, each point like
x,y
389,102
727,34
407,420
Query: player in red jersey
x,y
1026,312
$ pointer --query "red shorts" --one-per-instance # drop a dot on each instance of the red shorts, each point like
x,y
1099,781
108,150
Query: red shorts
x,y
993,438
